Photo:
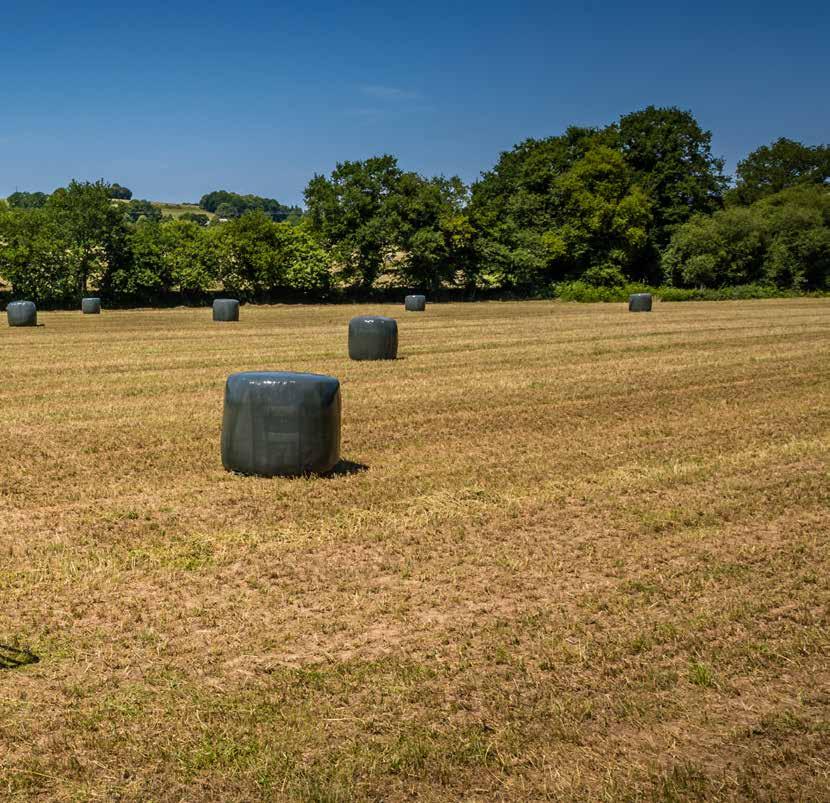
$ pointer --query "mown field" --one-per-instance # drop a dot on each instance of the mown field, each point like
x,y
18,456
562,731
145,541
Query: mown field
x,y
575,554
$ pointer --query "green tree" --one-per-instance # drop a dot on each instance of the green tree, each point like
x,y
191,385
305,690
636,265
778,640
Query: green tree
x,y
145,274
433,232
782,239
671,156
120,193
35,257
513,206
601,218
27,200
797,227
718,250
93,229
352,213
233,205
772,168
141,209
256,254
195,217
189,256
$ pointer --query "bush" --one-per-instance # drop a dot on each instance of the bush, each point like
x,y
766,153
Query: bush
x,y
586,293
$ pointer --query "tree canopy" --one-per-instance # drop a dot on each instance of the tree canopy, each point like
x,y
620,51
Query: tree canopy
x,y
642,199
230,204
772,168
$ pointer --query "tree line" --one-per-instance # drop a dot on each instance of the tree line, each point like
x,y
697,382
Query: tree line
x,y
643,200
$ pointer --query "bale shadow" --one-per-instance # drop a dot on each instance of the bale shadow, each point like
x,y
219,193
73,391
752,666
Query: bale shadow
x,y
11,657
345,468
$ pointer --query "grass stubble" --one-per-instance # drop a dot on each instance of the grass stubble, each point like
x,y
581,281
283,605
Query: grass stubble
x,y
588,559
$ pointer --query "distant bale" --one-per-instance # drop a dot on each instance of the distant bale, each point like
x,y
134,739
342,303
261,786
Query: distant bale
x,y
281,423
415,303
22,313
639,302
373,337
91,306
225,309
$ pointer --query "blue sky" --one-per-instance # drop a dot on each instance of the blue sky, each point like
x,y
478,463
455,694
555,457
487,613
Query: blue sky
x,y
174,100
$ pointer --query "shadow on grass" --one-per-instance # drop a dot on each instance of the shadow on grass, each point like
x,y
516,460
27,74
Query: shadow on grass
x,y
345,468
11,657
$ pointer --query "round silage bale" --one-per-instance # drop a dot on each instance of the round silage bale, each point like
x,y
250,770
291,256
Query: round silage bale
x,y
373,337
415,303
639,302
281,423
91,306
226,309
22,313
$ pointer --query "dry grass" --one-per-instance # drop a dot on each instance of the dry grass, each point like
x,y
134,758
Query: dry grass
x,y
589,560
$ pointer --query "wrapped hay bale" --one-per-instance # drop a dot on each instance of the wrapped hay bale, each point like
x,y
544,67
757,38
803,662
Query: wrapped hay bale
x,y
22,313
639,302
281,423
226,309
91,306
373,337
415,303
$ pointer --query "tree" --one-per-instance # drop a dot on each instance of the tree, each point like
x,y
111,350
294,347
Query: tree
x,y
189,256
258,255
772,168
141,209
120,193
351,212
27,200
512,206
433,231
195,217
226,211
600,218
234,205
93,229
797,228
35,256
145,273
671,156
552,209
783,239
718,250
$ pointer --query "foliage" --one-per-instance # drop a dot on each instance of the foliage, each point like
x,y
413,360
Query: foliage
x,y
783,240
671,156
256,254
585,292
198,218
142,210
352,214
120,193
773,168
586,214
35,257
231,204
27,200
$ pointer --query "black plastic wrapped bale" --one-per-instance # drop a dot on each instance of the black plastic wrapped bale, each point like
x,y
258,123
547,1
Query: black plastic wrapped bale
x,y
22,313
91,306
373,337
415,303
226,309
281,423
639,302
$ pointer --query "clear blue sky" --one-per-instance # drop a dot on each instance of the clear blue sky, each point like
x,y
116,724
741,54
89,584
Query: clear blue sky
x,y
174,100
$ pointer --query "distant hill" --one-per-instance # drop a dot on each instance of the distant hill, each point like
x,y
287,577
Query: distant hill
x,y
177,210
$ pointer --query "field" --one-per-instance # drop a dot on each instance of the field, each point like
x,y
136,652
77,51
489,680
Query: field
x,y
573,554
177,210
